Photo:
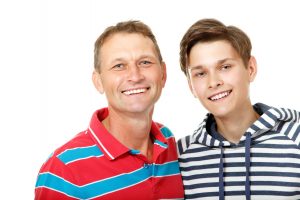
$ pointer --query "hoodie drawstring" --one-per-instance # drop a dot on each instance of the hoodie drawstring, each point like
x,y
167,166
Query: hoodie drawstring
x,y
221,174
247,163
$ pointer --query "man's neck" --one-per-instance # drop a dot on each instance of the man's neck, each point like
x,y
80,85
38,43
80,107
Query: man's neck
x,y
132,131
233,128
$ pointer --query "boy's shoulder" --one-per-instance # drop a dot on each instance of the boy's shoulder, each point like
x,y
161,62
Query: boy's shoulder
x,y
291,129
183,144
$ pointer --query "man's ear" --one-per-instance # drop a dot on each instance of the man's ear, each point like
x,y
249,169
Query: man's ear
x,y
164,71
96,77
252,68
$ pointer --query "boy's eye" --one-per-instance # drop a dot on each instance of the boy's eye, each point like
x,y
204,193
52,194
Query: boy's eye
x,y
224,67
200,74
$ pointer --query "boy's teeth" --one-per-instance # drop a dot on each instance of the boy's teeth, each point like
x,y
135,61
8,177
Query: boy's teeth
x,y
137,91
219,96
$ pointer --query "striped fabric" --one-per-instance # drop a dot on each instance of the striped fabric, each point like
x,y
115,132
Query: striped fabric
x,y
274,167
94,165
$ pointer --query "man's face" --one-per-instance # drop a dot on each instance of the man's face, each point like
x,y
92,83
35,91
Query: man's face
x,y
219,78
132,77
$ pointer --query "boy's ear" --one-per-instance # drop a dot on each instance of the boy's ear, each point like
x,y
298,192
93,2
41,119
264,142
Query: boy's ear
x,y
252,68
191,87
96,77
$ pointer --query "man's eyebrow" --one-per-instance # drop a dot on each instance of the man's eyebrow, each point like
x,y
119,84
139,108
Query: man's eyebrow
x,y
150,56
140,57
119,59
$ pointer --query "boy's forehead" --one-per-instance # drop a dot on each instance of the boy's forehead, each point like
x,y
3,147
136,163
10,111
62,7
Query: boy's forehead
x,y
212,52
213,46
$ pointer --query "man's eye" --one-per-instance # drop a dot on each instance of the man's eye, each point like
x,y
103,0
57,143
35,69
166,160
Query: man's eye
x,y
145,63
118,66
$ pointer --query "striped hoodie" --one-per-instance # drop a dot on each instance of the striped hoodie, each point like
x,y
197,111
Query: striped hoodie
x,y
265,164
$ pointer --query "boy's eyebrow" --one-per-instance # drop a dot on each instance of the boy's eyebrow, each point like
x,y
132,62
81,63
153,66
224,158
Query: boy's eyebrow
x,y
224,60
195,67
221,61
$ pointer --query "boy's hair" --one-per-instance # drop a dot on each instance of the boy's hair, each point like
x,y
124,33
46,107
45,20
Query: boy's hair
x,y
123,27
210,30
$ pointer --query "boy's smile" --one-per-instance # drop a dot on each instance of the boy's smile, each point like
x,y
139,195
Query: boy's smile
x,y
219,96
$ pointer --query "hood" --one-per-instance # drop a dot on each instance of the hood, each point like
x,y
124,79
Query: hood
x,y
269,119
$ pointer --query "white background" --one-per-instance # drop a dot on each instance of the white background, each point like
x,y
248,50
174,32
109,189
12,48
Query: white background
x,y
46,61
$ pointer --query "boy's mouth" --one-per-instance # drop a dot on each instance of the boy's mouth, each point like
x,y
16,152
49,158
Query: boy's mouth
x,y
219,95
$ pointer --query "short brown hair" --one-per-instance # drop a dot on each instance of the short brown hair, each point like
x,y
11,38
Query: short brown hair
x,y
123,27
209,30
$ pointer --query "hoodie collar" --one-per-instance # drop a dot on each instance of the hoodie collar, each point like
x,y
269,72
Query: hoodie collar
x,y
269,120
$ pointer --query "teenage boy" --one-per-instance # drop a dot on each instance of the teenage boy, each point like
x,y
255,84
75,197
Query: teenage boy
x,y
123,154
240,150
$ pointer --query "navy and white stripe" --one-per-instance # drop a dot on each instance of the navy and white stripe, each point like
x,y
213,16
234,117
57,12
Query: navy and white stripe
x,y
274,171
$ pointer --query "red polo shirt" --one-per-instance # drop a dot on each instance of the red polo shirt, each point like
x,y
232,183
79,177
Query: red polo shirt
x,y
95,165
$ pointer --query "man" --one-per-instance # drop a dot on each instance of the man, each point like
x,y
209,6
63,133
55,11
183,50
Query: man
x,y
123,154
239,151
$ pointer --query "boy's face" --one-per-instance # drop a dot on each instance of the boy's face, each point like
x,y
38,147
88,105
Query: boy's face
x,y
219,78
132,77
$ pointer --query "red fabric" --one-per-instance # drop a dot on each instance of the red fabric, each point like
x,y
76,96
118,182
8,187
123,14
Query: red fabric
x,y
116,160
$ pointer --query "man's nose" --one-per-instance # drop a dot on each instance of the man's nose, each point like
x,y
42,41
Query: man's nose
x,y
135,73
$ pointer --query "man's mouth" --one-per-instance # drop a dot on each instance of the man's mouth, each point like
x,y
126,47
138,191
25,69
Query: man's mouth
x,y
220,95
135,91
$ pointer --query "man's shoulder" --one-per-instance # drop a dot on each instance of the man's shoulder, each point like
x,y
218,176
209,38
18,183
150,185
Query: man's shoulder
x,y
79,140
69,150
165,130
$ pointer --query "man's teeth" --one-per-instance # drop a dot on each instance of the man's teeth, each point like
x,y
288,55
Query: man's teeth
x,y
137,91
219,96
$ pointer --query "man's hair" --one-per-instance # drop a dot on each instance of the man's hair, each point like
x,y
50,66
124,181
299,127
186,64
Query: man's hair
x,y
210,30
123,27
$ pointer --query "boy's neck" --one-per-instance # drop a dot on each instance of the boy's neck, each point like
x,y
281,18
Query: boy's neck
x,y
233,128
